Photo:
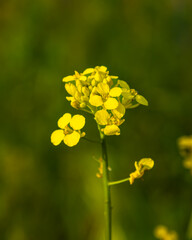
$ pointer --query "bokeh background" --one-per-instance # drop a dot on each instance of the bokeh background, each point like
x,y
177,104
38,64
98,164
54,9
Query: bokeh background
x,y
49,192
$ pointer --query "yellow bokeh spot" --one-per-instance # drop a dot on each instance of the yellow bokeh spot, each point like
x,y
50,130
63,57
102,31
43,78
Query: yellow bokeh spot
x,y
57,136
161,232
72,139
77,122
64,120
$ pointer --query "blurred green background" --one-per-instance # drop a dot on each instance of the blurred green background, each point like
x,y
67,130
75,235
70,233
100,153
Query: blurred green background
x,y
49,192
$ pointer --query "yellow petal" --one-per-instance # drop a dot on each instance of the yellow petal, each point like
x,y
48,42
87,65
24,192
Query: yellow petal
x,y
75,104
102,69
111,103
72,139
64,120
70,98
77,96
111,130
127,95
98,77
85,91
102,117
103,88
88,71
115,92
119,112
68,78
133,176
83,78
146,164
77,122
114,77
96,100
70,88
57,136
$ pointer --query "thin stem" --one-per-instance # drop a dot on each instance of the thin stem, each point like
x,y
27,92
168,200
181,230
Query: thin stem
x,y
107,195
117,182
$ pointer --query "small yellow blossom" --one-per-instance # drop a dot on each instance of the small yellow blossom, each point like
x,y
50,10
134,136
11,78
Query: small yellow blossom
x,y
144,164
161,232
69,131
99,93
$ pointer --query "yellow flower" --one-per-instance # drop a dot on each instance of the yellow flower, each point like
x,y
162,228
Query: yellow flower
x,y
161,232
104,118
144,164
103,95
69,130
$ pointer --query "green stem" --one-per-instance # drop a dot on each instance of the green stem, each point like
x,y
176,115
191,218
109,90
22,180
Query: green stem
x,y
107,194
117,182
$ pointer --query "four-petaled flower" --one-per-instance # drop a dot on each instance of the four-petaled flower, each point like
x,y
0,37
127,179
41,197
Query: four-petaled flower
x,y
70,130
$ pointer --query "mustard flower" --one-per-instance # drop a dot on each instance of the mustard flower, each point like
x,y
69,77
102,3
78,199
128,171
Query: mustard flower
x,y
103,95
69,131
144,164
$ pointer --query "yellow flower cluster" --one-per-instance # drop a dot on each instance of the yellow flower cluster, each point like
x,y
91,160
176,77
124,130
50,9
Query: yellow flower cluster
x,y
161,232
144,164
70,130
103,95
185,147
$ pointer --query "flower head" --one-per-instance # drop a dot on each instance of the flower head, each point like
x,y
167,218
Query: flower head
x,y
70,130
144,164
103,95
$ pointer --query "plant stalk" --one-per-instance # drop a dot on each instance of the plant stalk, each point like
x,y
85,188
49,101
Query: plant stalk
x,y
106,187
